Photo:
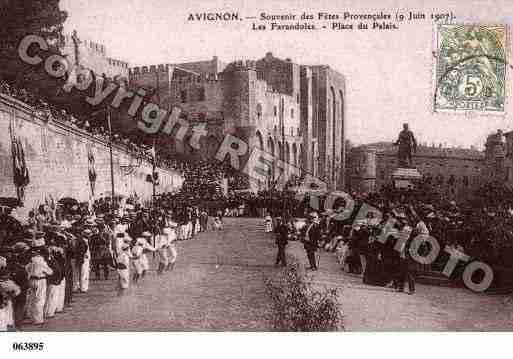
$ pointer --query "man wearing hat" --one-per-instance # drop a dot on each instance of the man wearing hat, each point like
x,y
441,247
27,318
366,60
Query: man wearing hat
x,y
312,238
82,261
99,247
68,242
37,270
282,239
406,264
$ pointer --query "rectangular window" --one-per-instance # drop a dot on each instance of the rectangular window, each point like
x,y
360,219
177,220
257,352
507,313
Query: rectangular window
x,y
275,111
201,94
291,113
183,96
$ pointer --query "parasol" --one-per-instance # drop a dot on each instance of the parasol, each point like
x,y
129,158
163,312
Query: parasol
x,y
68,202
11,202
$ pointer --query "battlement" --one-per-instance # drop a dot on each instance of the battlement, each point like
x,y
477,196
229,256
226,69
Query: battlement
x,y
118,63
139,70
93,46
194,80
241,65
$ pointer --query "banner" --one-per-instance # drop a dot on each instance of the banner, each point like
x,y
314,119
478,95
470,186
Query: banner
x,y
91,170
21,176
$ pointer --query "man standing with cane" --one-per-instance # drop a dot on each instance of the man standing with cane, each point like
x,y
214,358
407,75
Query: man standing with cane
x,y
312,237
282,239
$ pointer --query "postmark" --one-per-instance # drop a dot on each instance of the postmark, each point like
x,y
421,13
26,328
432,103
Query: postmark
x,y
470,68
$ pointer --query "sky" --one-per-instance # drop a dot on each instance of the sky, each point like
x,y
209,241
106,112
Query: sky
x,y
388,74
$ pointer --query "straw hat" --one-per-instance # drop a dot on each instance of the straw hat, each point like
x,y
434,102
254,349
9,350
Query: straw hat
x,y
313,215
38,243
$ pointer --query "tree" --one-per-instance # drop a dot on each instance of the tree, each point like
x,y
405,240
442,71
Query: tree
x,y
20,18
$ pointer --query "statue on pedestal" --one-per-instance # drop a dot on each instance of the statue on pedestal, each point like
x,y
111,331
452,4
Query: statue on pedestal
x,y
407,146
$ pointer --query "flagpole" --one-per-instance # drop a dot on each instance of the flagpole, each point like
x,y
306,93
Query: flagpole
x,y
282,112
111,162
154,167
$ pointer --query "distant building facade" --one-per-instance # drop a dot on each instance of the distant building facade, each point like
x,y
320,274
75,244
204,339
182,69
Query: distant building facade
x,y
499,157
455,172
294,112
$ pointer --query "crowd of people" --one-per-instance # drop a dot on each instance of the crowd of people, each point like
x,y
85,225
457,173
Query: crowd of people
x,y
44,261
97,129
483,233
209,185
48,259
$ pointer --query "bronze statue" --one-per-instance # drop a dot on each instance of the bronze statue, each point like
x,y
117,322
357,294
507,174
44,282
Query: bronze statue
x,y
407,146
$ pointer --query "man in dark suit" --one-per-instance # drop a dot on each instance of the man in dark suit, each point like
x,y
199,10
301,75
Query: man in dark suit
x,y
282,239
312,238
406,263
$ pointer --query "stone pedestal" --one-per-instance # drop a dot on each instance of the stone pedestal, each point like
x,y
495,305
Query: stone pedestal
x,y
405,177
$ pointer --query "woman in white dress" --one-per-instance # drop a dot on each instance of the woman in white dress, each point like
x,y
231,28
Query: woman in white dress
x,y
147,247
162,250
171,239
123,268
137,252
268,224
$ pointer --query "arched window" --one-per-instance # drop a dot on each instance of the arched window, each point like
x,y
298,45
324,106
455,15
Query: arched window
x,y
440,179
270,146
259,140
201,94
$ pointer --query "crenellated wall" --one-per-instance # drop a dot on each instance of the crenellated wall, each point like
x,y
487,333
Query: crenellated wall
x,y
57,160
93,55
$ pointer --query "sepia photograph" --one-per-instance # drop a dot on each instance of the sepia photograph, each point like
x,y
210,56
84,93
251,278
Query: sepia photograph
x,y
278,166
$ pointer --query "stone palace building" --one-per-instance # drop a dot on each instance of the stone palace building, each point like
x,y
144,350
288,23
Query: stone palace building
x,y
294,112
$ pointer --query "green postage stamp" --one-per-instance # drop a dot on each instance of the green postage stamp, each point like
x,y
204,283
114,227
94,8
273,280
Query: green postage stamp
x,y
470,68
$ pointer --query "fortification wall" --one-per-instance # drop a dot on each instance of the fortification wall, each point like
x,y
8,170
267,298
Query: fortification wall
x,y
56,156
93,55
